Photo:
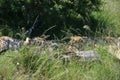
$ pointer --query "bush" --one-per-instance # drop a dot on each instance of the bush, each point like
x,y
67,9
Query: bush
x,y
63,14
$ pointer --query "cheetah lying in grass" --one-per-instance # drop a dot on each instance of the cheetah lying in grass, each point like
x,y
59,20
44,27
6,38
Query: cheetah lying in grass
x,y
9,43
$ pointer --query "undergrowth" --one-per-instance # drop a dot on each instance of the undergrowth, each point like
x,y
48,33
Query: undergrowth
x,y
42,65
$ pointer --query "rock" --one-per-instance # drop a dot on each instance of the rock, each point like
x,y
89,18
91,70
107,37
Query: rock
x,y
90,55
82,56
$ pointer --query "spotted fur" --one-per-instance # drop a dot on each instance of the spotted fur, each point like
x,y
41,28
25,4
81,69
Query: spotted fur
x,y
15,44
9,43
36,41
76,39
3,45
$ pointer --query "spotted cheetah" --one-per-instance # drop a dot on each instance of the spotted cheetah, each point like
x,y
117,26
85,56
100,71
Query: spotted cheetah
x,y
3,45
9,43
6,38
39,39
76,39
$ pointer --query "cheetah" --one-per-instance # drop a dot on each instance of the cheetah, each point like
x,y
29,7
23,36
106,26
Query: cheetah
x,y
37,41
76,39
27,41
6,38
3,45
9,43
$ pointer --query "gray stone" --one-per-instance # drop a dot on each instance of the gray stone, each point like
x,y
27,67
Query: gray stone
x,y
90,55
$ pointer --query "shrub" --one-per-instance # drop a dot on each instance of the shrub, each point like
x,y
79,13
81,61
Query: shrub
x,y
63,13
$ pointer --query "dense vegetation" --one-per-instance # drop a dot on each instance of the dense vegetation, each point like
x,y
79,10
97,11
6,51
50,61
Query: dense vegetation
x,y
63,16
41,65
59,18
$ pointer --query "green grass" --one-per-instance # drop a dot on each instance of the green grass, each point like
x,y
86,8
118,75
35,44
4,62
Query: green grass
x,y
107,21
43,66
111,9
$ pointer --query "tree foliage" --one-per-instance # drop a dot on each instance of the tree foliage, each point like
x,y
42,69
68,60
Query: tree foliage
x,y
63,14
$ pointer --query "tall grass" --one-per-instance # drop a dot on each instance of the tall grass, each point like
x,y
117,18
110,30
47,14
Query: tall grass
x,y
32,65
112,9
106,21
35,64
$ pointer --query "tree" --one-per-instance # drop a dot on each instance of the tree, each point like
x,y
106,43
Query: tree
x,y
63,14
